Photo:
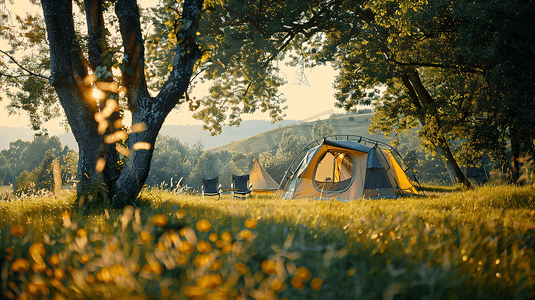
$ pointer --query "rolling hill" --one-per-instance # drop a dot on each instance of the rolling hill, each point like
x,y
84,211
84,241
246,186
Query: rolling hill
x,y
253,136
269,140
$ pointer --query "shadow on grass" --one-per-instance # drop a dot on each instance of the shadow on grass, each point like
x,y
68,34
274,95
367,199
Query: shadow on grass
x,y
439,188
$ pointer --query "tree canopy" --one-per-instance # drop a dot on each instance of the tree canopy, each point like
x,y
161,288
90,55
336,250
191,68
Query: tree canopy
x,y
81,56
462,70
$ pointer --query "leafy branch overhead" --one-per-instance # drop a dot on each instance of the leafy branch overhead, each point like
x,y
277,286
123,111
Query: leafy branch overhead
x,y
428,63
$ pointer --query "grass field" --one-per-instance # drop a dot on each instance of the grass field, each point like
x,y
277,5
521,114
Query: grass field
x,y
476,244
5,189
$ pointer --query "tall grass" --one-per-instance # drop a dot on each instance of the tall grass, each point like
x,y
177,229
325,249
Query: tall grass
x,y
458,245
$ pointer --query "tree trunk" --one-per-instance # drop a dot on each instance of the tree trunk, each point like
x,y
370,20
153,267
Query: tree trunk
x,y
452,164
423,102
69,68
514,173
67,74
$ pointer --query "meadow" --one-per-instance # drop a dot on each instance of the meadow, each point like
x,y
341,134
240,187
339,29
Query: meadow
x,y
449,244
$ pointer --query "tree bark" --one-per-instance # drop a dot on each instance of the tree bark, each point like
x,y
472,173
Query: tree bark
x,y
514,172
147,110
424,102
67,73
69,68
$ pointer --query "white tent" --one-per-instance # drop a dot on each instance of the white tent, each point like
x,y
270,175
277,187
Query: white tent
x,y
261,180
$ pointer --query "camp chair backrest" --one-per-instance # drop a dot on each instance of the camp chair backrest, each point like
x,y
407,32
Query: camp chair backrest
x,y
240,183
211,187
211,184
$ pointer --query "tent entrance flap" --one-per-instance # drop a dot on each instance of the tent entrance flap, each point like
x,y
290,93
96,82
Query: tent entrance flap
x,y
334,172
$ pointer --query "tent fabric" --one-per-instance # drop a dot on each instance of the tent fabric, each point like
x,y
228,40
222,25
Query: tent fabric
x,y
260,179
404,182
347,170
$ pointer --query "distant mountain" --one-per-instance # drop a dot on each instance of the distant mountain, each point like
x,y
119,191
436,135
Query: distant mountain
x,y
193,133
269,139
252,136
11,134
189,134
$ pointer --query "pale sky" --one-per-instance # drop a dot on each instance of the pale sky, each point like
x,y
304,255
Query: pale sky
x,y
303,100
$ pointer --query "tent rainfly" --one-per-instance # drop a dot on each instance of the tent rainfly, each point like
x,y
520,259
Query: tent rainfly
x,y
347,170
261,180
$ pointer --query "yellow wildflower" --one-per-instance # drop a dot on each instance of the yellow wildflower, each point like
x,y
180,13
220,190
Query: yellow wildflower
x,y
316,283
54,259
194,292
160,220
17,230
241,268
204,225
59,274
226,237
181,213
81,232
216,265
186,247
204,246
298,284
210,281
277,285
302,274
37,251
213,237
20,265
245,234
145,236
251,223
269,266
202,259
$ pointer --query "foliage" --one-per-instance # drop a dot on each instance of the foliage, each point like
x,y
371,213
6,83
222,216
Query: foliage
x,y
289,147
220,164
321,130
423,63
22,155
40,180
95,70
496,36
172,161
44,174
430,169
505,119
467,245
25,184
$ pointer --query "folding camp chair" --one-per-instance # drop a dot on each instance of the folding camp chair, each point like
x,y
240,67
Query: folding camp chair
x,y
211,187
239,182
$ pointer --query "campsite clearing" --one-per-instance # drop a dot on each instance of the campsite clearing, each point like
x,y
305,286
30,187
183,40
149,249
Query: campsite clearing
x,y
465,245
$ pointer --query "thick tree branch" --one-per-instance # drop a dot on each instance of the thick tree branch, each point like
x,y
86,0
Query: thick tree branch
x,y
23,68
436,65
95,31
185,57
299,28
133,75
150,111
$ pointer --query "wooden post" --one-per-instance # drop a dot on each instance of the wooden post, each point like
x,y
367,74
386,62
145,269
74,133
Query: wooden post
x,y
57,177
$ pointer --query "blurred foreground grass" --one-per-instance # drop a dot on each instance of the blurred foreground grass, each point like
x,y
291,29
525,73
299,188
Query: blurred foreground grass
x,y
476,244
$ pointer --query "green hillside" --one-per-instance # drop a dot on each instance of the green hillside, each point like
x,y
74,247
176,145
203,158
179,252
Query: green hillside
x,y
349,124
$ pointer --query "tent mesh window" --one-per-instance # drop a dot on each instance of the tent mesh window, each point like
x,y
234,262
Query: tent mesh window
x,y
334,172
